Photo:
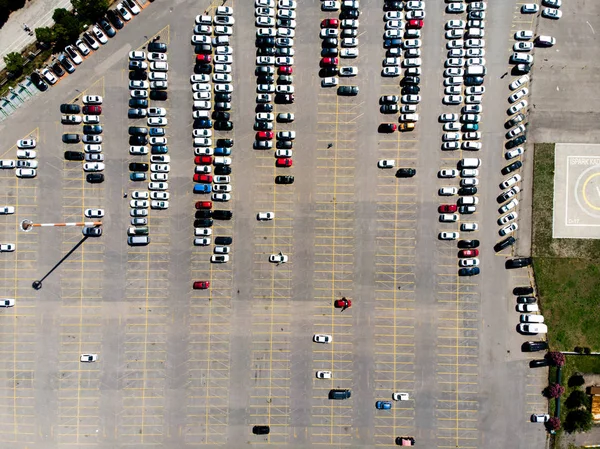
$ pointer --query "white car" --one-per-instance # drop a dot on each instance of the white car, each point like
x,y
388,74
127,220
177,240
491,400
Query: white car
x,y
515,131
139,150
94,213
262,21
7,302
283,153
469,227
517,107
322,338
518,95
93,167
474,43
454,62
223,88
449,235
511,154
508,229
452,99
92,99
468,262
533,328
222,78
330,5
26,154
391,71
138,204
278,258
7,247
123,12
451,127
221,196
140,195
350,70
455,7
540,417
447,191
160,168
449,218
507,218
523,46
265,32
386,163
400,396
519,82
330,81
262,216
285,32
510,181
159,204
448,173
349,53
158,186
323,374
455,33
551,13
99,34
508,206
448,117
223,30
200,79
7,210
158,140
530,8
524,35
86,358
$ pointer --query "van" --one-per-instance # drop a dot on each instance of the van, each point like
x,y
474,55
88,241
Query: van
x,y
476,70
529,318
339,394
159,66
470,162
143,230
545,41
138,240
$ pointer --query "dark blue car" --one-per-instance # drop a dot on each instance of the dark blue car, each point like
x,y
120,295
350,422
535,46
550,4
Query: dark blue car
x,y
204,123
220,151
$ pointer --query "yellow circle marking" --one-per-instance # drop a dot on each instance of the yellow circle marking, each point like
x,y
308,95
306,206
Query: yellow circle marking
x,y
585,198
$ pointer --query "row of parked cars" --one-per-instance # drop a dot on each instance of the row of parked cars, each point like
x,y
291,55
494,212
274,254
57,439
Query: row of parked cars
x,y
211,110
89,41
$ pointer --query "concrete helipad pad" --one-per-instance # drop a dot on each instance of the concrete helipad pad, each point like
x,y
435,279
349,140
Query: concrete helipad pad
x,y
576,191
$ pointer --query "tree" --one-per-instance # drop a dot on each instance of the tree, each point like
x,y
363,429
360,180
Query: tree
x,y
579,420
14,63
66,28
576,380
553,424
45,34
90,10
554,391
556,358
576,399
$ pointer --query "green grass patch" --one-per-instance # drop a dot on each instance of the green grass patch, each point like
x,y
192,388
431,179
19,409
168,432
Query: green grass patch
x,y
567,271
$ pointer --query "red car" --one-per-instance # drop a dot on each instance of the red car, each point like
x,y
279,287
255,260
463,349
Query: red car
x,y
201,285
203,204
330,23
284,162
446,208
92,110
415,23
285,70
264,135
203,160
343,303
203,58
468,253
202,178
329,61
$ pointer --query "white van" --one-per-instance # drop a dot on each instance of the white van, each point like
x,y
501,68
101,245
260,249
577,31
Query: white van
x,y
140,240
476,70
529,318
470,162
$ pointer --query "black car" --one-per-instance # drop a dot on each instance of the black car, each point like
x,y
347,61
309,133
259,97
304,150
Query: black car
x,y
534,346
138,166
94,178
468,190
386,128
284,98
222,170
137,65
66,63
138,103
114,19
265,41
110,31
203,213
261,430
407,80
138,140
392,6
468,244
329,42
157,47
526,299
222,214
407,90
138,75
219,115
74,156
223,97
406,173
223,240
468,271
523,291
284,144
347,90
328,71
473,80
504,243
504,196
349,13
539,363
227,143
92,129
329,52
284,179
516,142
262,126
136,113
265,79
285,23
203,223
264,70
158,95
511,167
67,108
39,83
514,121
518,263
205,69
70,138
220,106
201,49
137,131
265,51
57,69
223,125
264,107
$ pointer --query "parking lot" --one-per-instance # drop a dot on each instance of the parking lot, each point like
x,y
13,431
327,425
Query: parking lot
x,y
179,366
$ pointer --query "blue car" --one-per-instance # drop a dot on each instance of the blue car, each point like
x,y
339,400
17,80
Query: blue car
x,y
204,123
470,127
202,188
383,405
157,132
159,149
392,43
136,176
220,151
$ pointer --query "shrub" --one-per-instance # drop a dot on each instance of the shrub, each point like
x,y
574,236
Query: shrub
x,y
556,358
553,424
579,420
576,399
554,391
576,380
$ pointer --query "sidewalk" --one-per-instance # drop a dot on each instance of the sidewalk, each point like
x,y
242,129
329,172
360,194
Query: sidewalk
x,y
36,14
